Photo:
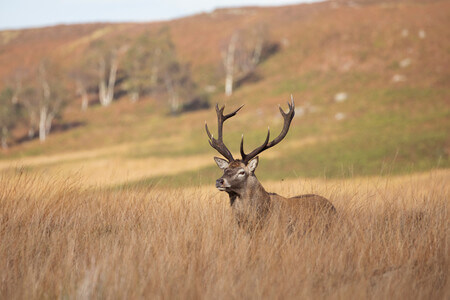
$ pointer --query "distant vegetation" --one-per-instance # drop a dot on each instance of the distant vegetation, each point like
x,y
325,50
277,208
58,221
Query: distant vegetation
x,y
145,65
40,93
370,91
42,90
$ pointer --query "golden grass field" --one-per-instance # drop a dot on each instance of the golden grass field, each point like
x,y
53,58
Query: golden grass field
x,y
61,239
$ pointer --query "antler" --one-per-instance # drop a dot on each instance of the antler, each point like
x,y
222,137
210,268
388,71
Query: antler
x,y
218,143
266,145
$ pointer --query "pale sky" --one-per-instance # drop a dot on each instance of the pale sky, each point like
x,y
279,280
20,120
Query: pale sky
x,y
15,14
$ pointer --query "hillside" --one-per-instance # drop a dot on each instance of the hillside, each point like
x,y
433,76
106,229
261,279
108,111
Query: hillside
x,y
371,84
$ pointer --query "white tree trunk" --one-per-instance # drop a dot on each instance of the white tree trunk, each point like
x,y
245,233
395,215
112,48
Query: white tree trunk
x,y
229,65
106,91
102,93
101,83
229,84
43,124
44,110
112,80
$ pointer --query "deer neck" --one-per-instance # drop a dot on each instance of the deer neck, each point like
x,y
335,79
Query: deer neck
x,y
233,196
251,194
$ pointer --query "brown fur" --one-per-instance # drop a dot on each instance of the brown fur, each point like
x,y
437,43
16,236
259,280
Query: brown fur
x,y
251,203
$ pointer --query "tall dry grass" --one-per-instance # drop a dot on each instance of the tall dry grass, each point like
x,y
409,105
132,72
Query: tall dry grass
x,y
59,240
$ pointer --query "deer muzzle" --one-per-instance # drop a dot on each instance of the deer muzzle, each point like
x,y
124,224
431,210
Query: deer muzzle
x,y
222,184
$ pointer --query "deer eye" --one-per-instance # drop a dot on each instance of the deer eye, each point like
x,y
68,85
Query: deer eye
x,y
241,173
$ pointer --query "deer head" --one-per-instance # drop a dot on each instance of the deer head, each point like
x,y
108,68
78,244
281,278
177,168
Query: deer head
x,y
238,172
235,174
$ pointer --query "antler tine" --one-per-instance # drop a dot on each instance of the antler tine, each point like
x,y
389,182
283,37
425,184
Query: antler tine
x,y
207,131
218,143
232,113
247,157
221,118
266,145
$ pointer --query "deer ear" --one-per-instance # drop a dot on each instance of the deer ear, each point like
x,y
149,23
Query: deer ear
x,y
252,164
222,163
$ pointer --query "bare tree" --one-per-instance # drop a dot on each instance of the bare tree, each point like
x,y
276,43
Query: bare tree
x,y
107,57
228,57
23,92
242,53
52,96
44,97
106,88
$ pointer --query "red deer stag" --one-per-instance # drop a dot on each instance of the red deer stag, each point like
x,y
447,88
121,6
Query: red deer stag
x,y
248,198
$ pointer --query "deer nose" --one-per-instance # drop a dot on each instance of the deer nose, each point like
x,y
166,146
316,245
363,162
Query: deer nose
x,y
219,182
